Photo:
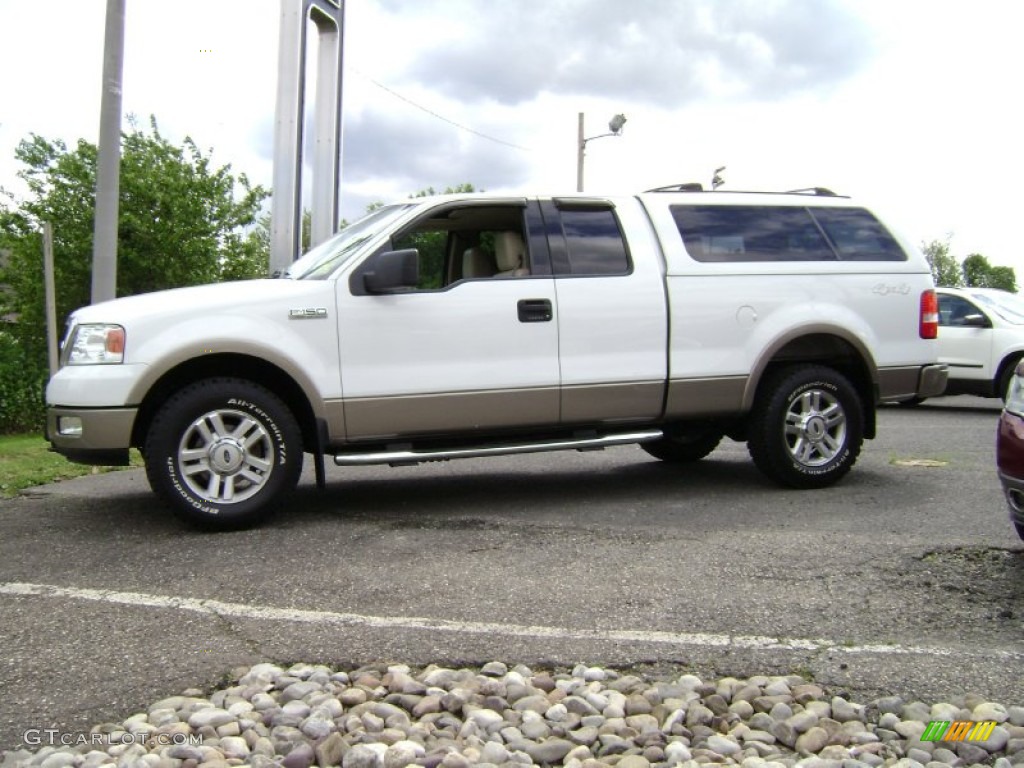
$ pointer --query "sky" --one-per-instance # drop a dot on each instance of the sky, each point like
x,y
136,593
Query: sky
x,y
910,106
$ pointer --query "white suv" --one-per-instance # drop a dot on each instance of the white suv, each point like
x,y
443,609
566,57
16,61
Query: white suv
x,y
981,339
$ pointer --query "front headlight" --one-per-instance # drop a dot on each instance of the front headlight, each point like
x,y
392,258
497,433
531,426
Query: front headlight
x,y
1015,392
96,344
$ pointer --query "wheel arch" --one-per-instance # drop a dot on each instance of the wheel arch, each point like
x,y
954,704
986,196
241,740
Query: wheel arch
x,y
241,366
825,345
1009,361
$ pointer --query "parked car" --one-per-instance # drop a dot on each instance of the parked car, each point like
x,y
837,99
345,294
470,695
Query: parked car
x,y
483,325
981,339
1010,449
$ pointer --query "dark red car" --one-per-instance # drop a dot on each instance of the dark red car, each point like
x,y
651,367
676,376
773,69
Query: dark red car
x,y
1010,449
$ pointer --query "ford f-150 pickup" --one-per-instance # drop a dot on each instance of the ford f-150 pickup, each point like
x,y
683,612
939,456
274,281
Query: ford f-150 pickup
x,y
481,324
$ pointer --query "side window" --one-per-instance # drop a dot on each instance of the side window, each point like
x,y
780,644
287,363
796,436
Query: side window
x,y
857,235
432,245
594,241
953,310
466,243
739,233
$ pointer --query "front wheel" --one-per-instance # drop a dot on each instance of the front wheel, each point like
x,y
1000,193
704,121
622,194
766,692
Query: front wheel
x,y
807,426
223,451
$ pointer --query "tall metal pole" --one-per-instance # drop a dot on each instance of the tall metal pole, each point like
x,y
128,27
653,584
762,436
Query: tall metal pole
x,y
328,17
108,168
51,296
581,146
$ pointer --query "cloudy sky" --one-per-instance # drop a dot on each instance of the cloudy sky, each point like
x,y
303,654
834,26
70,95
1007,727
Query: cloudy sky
x,y
911,105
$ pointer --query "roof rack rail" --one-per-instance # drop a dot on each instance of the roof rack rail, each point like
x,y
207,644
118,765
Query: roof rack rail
x,y
692,186
696,186
819,191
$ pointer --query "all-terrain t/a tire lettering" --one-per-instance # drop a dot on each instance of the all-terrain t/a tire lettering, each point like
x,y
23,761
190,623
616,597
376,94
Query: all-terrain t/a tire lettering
x,y
222,451
807,426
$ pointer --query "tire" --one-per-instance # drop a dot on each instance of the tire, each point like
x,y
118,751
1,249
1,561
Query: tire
x,y
912,402
223,452
1020,529
683,448
1002,384
807,426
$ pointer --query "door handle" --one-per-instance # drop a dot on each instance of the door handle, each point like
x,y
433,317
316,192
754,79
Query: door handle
x,y
535,310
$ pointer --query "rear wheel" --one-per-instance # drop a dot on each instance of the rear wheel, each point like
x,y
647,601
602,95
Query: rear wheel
x,y
223,451
807,426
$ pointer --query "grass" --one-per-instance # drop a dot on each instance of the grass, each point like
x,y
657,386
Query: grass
x,y
26,461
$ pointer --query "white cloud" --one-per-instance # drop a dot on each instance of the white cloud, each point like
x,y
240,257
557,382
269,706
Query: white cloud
x,y
910,104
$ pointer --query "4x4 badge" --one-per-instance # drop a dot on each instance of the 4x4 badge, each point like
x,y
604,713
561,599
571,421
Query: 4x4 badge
x,y
309,313
885,290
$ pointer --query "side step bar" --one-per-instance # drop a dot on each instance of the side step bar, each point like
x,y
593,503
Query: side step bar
x,y
400,457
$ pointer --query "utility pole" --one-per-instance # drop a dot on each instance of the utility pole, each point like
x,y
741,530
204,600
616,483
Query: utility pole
x,y
108,168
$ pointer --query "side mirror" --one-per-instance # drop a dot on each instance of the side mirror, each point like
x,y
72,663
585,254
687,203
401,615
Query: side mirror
x,y
976,320
391,271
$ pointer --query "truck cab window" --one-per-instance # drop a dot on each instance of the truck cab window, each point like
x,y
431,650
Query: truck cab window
x,y
594,242
467,243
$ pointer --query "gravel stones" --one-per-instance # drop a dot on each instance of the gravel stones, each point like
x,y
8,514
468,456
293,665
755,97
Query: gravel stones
x,y
501,715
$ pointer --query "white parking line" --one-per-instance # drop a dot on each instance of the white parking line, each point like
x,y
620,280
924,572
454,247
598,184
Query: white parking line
x,y
267,613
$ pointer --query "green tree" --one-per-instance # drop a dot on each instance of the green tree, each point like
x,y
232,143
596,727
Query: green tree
x,y
1004,278
946,269
182,222
978,273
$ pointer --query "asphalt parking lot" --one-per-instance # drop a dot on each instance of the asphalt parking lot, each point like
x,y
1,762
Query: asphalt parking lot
x,y
907,578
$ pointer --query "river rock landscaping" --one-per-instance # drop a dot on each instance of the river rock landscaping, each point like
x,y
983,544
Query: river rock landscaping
x,y
379,716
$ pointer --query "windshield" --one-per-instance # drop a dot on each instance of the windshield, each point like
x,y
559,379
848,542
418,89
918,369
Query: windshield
x,y
1008,306
321,262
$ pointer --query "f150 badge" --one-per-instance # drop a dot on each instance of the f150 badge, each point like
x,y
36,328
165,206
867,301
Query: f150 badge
x,y
310,313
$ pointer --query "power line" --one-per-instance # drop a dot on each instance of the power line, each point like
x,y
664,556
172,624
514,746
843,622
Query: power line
x,y
432,113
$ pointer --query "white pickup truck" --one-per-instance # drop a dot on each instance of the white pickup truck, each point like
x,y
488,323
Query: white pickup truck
x,y
479,324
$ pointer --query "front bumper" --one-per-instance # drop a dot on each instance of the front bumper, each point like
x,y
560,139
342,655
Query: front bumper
x,y
1013,489
99,436
1010,462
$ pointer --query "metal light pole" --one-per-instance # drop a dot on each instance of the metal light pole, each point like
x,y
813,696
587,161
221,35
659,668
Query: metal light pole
x,y
108,164
614,125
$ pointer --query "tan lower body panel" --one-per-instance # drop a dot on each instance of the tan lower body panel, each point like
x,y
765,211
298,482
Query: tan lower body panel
x,y
466,412
612,403
388,417
699,398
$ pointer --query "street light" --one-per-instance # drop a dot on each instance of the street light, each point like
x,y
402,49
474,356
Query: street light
x,y
615,128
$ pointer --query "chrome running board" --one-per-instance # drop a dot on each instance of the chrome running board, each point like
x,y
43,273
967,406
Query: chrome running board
x,y
504,449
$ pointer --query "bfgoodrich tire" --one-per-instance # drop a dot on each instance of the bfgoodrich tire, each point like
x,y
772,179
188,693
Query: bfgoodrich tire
x,y
807,426
223,452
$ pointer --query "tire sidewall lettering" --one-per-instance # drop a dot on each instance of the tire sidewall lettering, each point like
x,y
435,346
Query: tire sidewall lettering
x,y
268,423
192,501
